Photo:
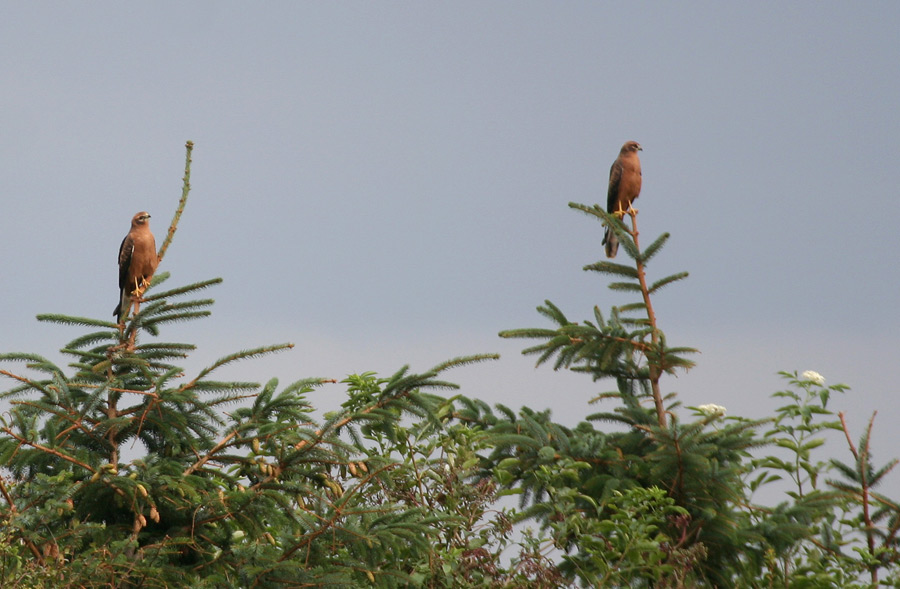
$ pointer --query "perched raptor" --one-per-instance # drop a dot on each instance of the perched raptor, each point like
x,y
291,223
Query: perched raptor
x,y
137,263
624,187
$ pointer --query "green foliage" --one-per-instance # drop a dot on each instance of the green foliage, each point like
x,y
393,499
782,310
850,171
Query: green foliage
x,y
621,543
261,493
121,470
709,467
236,483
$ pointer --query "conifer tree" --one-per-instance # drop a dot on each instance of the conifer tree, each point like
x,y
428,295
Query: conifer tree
x,y
662,502
698,464
122,471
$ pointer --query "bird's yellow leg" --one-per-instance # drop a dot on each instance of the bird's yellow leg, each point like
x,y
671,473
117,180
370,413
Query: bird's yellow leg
x,y
140,287
620,212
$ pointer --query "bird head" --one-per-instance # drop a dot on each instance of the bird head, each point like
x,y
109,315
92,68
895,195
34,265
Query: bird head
x,y
632,146
140,219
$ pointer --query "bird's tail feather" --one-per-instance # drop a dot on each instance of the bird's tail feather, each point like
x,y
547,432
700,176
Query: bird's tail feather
x,y
611,242
119,311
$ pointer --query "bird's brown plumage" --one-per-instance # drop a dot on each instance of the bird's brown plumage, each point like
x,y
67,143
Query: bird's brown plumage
x,y
137,263
624,187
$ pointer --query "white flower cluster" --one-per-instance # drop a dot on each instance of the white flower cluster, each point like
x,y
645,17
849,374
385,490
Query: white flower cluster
x,y
712,409
814,377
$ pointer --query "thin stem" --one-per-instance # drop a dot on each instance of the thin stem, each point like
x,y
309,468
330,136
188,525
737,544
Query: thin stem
x,y
56,453
186,188
651,317
112,413
412,455
223,443
847,434
862,462
864,478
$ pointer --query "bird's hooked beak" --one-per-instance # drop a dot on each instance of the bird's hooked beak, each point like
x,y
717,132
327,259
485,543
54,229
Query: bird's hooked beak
x,y
639,149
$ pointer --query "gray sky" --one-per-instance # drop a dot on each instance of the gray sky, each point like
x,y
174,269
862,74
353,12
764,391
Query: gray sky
x,y
387,183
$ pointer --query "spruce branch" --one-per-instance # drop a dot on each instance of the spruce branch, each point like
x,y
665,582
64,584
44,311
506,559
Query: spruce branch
x,y
184,289
224,442
73,321
31,384
606,267
73,347
42,448
655,370
652,249
242,355
662,282
861,475
463,361
186,188
75,420
628,348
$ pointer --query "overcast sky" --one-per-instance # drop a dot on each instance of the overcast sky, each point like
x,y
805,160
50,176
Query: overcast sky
x,y
387,183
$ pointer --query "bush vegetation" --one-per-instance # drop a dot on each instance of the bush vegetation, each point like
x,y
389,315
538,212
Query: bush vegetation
x,y
238,484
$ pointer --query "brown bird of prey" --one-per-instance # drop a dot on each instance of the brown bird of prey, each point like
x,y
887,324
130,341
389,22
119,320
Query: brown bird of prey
x,y
137,263
624,187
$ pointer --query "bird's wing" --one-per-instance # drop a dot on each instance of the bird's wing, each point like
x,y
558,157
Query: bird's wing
x,y
612,196
125,252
